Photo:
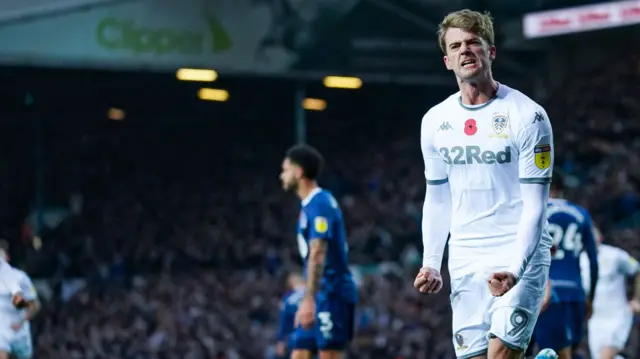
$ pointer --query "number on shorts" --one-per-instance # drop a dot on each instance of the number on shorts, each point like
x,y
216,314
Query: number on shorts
x,y
326,324
519,320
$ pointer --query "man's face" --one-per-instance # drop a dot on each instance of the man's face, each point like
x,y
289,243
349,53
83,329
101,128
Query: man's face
x,y
468,55
290,175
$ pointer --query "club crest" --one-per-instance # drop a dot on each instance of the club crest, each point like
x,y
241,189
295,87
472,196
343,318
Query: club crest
x,y
460,342
459,339
499,123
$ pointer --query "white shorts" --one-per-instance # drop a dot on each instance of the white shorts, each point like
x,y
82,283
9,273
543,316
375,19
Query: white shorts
x,y
479,316
609,331
19,344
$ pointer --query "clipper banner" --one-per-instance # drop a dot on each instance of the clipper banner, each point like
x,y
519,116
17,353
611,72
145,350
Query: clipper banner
x,y
265,36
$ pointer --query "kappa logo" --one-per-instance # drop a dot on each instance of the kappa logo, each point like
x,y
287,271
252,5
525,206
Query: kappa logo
x,y
538,117
445,126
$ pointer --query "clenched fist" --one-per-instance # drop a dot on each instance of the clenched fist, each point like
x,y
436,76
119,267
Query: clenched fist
x,y
500,283
428,280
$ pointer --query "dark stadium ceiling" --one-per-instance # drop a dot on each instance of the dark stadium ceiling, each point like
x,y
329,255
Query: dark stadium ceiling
x,y
392,36
398,37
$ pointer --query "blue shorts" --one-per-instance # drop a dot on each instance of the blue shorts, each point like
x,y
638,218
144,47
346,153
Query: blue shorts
x,y
334,325
335,322
561,326
302,339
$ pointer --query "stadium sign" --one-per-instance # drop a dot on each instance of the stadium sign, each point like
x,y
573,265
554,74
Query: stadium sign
x,y
116,34
302,40
581,18
234,36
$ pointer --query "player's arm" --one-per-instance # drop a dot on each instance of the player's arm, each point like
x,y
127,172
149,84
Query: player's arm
x,y
635,301
320,234
631,267
534,140
589,242
585,272
547,296
285,324
30,296
436,211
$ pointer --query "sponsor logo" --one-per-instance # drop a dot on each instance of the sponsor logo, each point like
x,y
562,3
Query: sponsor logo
x,y
542,156
459,155
126,35
445,126
321,224
538,117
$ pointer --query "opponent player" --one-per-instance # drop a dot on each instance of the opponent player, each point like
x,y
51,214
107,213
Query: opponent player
x,y
330,294
488,155
286,330
561,326
15,314
612,319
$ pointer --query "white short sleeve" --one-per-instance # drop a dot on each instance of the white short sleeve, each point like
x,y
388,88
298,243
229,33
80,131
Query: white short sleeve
x,y
534,141
435,169
628,264
27,288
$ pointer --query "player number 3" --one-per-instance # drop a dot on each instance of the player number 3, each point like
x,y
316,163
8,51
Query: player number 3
x,y
326,324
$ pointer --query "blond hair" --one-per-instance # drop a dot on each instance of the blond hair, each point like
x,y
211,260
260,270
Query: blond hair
x,y
472,21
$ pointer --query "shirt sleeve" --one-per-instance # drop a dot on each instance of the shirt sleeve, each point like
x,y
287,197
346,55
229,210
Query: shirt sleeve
x,y
436,211
435,169
27,288
534,202
321,221
534,141
628,264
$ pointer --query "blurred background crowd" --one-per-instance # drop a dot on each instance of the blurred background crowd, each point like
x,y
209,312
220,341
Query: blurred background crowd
x,y
154,224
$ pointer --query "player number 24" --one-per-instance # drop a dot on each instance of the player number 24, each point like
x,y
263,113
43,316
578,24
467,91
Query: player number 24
x,y
565,241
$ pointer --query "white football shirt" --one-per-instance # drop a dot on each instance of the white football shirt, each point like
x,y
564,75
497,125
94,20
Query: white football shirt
x,y
485,152
614,265
13,280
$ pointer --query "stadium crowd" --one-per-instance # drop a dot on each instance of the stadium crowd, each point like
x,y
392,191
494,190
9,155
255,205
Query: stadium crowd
x,y
183,238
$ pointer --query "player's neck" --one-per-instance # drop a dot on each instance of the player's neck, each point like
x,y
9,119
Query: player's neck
x,y
305,188
478,92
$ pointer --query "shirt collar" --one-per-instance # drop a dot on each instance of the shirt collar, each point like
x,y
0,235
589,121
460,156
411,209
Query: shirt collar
x,y
310,196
